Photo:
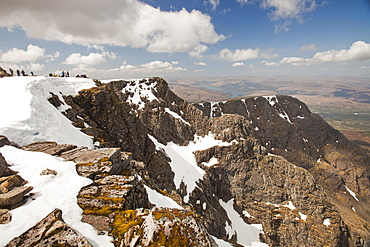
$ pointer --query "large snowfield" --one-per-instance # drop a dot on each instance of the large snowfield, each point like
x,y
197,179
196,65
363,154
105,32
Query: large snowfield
x,y
26,116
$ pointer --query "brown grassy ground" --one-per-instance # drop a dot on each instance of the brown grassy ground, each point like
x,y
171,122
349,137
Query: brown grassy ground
x,y
360,139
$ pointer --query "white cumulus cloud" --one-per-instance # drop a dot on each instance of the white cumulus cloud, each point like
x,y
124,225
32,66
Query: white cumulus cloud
x,y
15,55
198,50
288,9
35,67
85,61
245,54
239,54
214,3
295,61
358,51
273,64
160,66
200,63
154,66
284,12
238,64
105,53
114,22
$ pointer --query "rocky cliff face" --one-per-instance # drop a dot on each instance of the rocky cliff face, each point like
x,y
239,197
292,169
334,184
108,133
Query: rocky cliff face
x,y
287,128
232,167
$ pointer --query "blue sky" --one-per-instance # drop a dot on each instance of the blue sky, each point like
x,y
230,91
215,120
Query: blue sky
x,y
195,38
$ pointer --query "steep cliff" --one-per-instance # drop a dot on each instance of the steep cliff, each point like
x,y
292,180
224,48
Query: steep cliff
x,y
287,128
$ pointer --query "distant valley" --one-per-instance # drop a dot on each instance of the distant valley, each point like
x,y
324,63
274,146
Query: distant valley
x,y
343,102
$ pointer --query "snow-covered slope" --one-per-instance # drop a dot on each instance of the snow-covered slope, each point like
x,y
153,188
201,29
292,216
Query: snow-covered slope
x,y
26,115
183,162
50,192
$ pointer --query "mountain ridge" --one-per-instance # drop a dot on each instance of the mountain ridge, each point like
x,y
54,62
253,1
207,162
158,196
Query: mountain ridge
x,y
271,166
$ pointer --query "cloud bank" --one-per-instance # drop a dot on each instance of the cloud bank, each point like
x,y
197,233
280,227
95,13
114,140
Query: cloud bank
x,y
26,59
112,22
359,51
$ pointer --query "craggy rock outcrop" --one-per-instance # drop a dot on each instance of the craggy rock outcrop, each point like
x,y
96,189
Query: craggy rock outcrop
x,y
12,190
265,185
50,231
4,167
115,186
160,227
285,127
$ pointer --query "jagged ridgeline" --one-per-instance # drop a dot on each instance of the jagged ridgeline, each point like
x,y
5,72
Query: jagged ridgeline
x,y
262,171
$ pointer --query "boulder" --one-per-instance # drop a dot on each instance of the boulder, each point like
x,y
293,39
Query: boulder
x,y
9,182
94,160
49,172
14,197
5,216
50,231
51,148
4,141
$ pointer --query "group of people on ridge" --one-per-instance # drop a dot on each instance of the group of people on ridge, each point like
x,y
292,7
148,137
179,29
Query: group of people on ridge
x,y
19,73
65,74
